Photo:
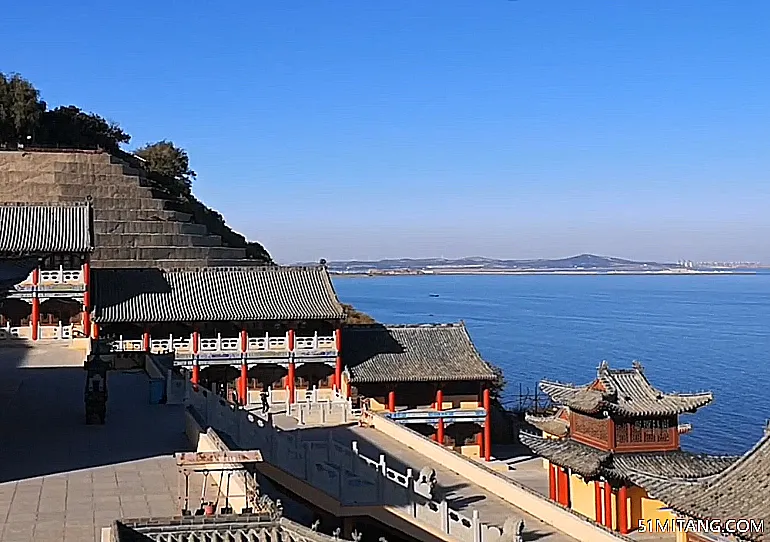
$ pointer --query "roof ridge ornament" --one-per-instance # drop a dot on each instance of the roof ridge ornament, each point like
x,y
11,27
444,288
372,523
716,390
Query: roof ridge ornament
x,y
604,366
637,365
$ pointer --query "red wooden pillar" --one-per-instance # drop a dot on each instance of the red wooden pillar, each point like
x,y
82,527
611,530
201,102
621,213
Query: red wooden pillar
x,y
551,481
146,339
392,400
290,378
35,316
87,299
338,365
622,504
439,405
598,501
243,383
196,370
290,381
607,505
95,330
563,486
244,341
487,426
290,340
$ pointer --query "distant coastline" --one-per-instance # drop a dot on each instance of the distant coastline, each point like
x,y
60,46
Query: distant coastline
x,y
510,272
583,264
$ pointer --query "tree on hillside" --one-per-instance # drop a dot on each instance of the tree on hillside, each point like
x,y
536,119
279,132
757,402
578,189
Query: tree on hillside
x,y
20,109
72,127
168,160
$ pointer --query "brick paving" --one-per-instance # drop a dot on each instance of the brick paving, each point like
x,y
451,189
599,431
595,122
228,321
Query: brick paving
x,y
63,480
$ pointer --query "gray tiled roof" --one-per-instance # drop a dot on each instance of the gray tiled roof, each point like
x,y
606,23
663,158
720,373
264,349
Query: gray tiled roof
x,y
419,353
39,228
554,425
626,392
584,460
214,294
637,468
740,491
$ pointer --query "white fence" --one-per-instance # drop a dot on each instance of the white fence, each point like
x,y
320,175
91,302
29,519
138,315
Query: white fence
x,y
341,471
263,343
56,276
60,332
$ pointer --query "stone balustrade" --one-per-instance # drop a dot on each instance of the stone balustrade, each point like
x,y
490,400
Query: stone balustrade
x,y
339,471
60,332
261,344
56,277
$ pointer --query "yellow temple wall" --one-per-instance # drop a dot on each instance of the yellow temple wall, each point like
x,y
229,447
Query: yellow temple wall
x,y
377,404
646,509
582,496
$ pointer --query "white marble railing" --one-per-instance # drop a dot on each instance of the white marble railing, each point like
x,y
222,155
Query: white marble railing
x,y
262,343
342,471
56,276
60,332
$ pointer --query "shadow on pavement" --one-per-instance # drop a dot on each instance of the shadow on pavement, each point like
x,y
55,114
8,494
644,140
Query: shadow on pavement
x,y
43,420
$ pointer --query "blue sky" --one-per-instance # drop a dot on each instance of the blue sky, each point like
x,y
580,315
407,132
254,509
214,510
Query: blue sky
x,y
397,128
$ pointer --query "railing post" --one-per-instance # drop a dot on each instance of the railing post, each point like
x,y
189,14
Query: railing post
x,y
61,274
383,466
315,341
171,342
444,507
61,331
219,342
476,526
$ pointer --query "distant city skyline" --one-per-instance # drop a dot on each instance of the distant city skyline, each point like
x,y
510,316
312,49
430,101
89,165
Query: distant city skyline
x,y
369,130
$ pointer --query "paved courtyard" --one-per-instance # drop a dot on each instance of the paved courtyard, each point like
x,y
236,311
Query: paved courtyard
x,y
63,480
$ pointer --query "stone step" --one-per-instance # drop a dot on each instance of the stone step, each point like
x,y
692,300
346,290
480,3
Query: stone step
x,y
140,240
51,192
52,177
172,263
144,204
147,226
167,253
145,215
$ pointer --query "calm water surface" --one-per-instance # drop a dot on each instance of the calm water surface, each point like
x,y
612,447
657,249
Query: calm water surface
x,y
691,334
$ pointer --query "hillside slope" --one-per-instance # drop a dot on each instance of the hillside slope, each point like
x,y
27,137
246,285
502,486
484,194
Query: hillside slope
x,y
135,222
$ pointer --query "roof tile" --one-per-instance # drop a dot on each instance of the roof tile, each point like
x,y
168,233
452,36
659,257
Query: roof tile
x,y
55,227
214,294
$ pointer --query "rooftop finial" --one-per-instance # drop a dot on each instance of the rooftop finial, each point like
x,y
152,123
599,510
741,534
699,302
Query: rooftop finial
x,y
604,366
767,429
638,366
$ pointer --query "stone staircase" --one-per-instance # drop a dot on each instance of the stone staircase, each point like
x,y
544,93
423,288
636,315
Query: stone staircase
x,y
134,226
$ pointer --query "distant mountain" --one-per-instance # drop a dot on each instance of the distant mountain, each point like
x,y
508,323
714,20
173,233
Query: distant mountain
x,y
582,262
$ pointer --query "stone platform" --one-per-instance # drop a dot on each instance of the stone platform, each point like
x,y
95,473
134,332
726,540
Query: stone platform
x,y
63,480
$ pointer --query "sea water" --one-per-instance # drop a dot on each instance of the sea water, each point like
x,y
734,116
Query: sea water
x,y
691,333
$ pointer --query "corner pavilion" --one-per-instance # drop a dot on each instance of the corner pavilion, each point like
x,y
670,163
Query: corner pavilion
x,y
608,437
430,377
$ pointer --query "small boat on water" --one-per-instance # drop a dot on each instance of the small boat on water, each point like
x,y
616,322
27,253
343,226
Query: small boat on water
x,y
433,295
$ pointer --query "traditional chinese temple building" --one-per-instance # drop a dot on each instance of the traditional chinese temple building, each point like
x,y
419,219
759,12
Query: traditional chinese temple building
x,y
740,492
46,249
607,436
239,329
430,377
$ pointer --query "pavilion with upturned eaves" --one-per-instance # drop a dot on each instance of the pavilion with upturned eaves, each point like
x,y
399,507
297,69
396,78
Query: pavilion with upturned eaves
x,y
606,436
